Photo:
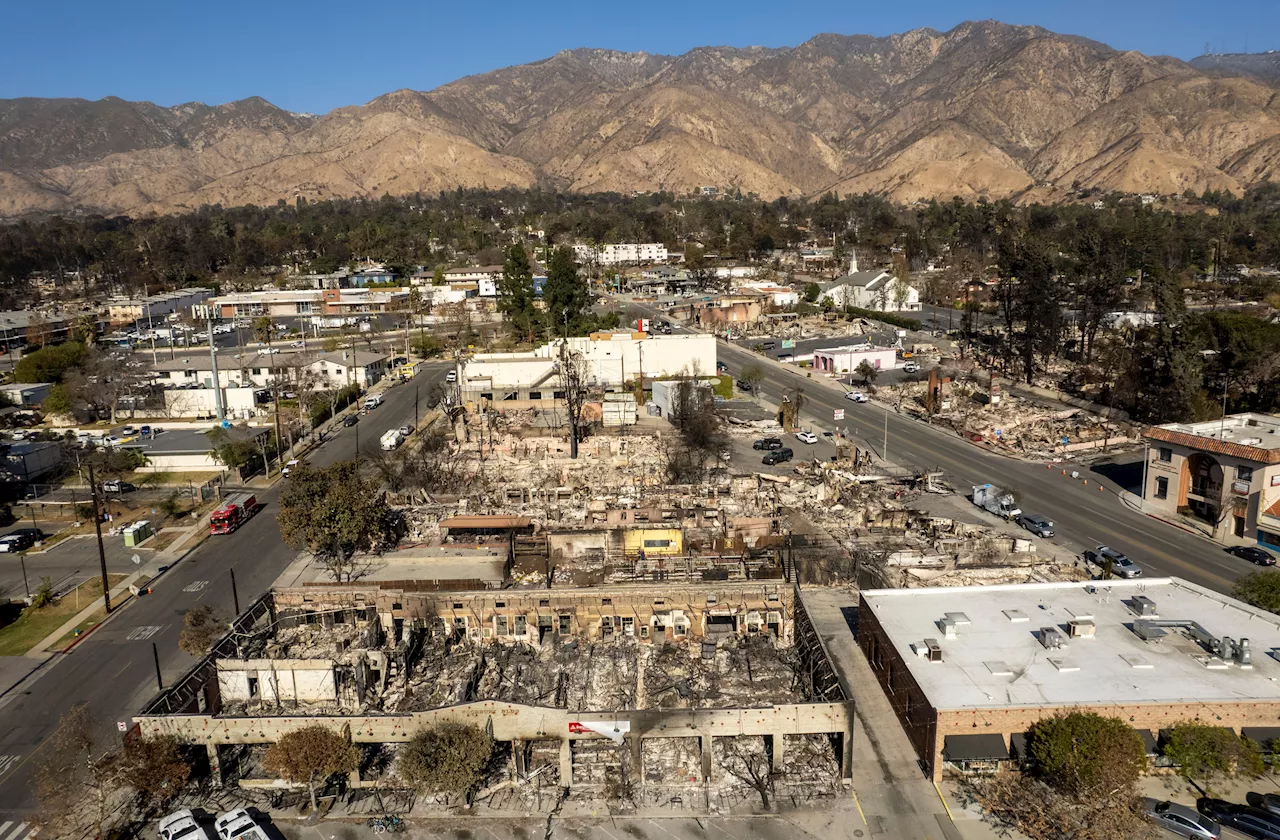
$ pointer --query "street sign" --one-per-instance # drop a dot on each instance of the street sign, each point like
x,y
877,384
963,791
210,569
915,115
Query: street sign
x,y
135,559
788,344
122,726
839,412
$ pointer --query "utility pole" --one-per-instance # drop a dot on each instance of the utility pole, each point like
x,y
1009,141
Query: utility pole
x,y
886,436
102,552
235,596
217,384
155,654
415,402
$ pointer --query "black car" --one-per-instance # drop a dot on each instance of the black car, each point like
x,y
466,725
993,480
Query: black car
x,y
1253,554
1251,822
114,486
351,420
778,456
34,534
16,541
768,443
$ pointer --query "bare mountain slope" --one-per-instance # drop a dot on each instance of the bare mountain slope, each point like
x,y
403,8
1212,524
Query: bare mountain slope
x,y
985,109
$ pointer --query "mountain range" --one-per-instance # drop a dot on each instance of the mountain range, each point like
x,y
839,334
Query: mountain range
x,y
983,110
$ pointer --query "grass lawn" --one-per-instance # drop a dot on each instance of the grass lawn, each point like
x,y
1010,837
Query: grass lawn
x,y
32,626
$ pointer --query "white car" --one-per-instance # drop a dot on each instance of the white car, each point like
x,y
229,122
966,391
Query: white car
x,y
288,467
911,367
856,396
806,436
451,376
183,825
239,825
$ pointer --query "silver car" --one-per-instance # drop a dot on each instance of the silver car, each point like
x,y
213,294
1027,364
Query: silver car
x,y
1181,820
1036,524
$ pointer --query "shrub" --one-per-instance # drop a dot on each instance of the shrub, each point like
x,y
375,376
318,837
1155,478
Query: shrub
x,y
884,317
1083,754
1207,753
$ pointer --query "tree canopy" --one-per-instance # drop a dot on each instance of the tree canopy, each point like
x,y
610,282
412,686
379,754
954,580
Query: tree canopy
x,y
311,755
334,513
50,363
448,758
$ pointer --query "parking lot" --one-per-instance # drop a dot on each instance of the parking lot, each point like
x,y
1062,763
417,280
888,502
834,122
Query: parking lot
x,y
67,563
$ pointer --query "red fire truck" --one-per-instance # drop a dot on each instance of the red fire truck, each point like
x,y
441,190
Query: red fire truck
x,y
235,511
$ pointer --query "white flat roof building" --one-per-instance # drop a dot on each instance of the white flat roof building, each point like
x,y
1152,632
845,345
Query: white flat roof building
x,y
1153,652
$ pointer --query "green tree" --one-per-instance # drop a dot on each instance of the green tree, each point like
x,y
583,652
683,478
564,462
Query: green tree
x,y
565,294
811,292
437,276
866,371
262,329
1085,755
1209,753
515,294
334,513
51,363
1261,589
311,755
58,401
827,303
448,758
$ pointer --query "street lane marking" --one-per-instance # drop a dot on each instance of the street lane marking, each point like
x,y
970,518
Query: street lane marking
x,y
7,761
195,586
142,633
20,831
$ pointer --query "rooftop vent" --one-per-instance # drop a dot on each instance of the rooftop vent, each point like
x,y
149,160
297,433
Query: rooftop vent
x,y
948,628
1136,661
1052,638
933,650
1082,628
1250,441
999,669
1144,606
1064,666
957,618
1015,616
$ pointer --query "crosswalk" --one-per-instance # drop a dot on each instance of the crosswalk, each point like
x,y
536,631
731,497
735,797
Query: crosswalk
x,y
7,761
22,831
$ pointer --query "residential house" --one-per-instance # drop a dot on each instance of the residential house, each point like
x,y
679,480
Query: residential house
x,y
877,290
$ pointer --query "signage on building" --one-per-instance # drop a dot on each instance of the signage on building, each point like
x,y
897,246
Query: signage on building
x,y
788,343
614,730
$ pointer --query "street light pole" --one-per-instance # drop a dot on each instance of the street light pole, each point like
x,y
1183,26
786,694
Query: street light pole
x,y
25,584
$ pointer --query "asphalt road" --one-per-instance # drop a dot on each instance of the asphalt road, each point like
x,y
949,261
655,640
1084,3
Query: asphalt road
x,y
113,670
1085,515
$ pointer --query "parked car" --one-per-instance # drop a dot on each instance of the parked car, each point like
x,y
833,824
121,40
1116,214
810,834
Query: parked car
x,y
117,486
768,444
12,544
145,431
1036,524
406,430
1251,822
1253,554
856,396
911,367
1121,565
1269,802
1181,820
806,436
777,456
721,367
239,825
351,420
183,825
128,430
451,376
289,465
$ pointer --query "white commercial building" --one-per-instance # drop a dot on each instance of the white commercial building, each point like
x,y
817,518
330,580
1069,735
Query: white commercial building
x,y
612,359
155,307
627,252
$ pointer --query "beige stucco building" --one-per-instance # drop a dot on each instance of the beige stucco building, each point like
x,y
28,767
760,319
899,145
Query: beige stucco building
x,y
1224,475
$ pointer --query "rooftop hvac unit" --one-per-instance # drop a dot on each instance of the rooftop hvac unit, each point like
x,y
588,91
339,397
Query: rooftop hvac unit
x,y
948,628
1244,653
934,649
1051,638
1082,628
1144,606
1148,632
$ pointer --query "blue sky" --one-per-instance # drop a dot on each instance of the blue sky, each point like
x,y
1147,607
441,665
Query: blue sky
x,y
314,55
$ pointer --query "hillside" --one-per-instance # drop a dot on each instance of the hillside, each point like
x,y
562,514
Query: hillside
x,y
984,110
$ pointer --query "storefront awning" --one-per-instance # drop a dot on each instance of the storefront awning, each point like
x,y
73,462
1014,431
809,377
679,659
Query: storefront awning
x,y
1262,735
986,747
